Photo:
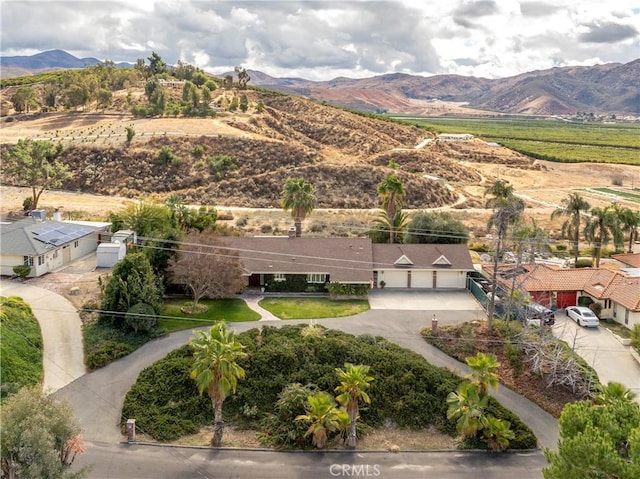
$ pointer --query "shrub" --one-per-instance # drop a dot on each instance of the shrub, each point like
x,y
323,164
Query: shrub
x,y
166,156
342,289
635,337
106,352
141,317
27,203
561,247
407,390
596,308
480,248
585,301
584,263
22,270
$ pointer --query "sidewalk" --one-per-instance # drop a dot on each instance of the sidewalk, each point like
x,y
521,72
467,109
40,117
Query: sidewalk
x,y
252,301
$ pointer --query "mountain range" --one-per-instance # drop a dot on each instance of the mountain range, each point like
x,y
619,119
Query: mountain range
x,y
607,88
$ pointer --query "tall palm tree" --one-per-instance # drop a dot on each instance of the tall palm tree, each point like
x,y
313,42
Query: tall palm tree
x,y
466,406
324,417
384,226
629,222
507,209
216,370
299,197
354,380
483,372
601,228
392,192
574,206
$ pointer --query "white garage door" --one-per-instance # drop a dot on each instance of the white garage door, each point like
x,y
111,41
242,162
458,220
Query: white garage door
x,y
422,279
393,279
449,279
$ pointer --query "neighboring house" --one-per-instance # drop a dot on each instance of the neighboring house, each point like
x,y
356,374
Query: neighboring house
x,y
353,261
455,137
45,245
618,292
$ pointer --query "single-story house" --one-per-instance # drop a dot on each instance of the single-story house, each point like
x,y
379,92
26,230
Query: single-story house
x,y
45,245
616,291
352,261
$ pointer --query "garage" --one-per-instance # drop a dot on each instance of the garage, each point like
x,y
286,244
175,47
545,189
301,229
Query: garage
x,y
421,266
422,279
393,278
566,298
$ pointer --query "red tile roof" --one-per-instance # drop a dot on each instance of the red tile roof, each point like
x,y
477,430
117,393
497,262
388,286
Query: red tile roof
x,y
599,283
631,259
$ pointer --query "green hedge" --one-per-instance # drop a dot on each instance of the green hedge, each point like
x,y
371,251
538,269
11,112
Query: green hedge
x,y
343,289
20,346
407,389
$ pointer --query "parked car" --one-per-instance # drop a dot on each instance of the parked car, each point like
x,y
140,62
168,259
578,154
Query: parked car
x,y
538,311
583,316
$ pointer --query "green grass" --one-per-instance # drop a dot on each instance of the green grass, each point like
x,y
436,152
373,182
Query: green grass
x,y
313,308
617,328
20,346
549,139
624,194
232,310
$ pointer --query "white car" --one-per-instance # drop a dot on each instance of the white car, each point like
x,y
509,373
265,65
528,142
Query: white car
x,y
583,316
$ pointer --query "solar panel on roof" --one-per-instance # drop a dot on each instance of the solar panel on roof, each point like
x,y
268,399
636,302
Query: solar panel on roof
x,y
61,234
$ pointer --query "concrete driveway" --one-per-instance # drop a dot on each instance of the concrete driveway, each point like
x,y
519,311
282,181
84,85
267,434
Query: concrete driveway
x,y
604,353
424,300
63,355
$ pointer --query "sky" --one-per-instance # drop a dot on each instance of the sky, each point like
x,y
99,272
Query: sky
x,y
321,40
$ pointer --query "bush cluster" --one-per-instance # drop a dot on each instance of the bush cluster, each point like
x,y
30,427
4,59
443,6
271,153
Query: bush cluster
x,y
343,289
407,390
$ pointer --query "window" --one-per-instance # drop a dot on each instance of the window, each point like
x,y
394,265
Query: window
x,y
27,260
626,316
40,260
279,277
76,244
607,304
317,278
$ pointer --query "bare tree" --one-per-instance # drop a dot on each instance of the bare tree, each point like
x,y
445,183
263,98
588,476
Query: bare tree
x,y
206,267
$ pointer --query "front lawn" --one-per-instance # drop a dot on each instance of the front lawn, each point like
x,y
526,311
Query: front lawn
x,y
230,310
615,327
313,308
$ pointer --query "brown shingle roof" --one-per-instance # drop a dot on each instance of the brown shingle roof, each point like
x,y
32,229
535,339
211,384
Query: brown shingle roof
x,y
347,260
422,256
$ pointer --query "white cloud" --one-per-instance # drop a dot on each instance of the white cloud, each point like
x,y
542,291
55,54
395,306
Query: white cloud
x,y
324,39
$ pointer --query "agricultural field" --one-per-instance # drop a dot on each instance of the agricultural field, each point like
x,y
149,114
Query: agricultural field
x,y
552,140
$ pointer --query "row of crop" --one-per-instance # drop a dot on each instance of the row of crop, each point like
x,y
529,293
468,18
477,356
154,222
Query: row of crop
x,y
566,153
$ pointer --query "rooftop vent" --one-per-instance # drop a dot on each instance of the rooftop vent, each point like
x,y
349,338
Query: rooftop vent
x,y
39,215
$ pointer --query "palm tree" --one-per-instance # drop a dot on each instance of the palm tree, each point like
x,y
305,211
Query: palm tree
x,y
612,392
324,416
466,406
629,222
299,197
392,192
601,228
215,369
354,380
507,209
384,226
483,372
573,207
497,432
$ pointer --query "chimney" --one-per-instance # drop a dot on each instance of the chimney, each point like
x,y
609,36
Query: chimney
x,y
292,232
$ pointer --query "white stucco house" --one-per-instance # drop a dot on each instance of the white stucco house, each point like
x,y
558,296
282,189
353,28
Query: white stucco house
x,y
45,245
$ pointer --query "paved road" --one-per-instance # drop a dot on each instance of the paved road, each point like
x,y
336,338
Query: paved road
x,y
151,462
63,355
